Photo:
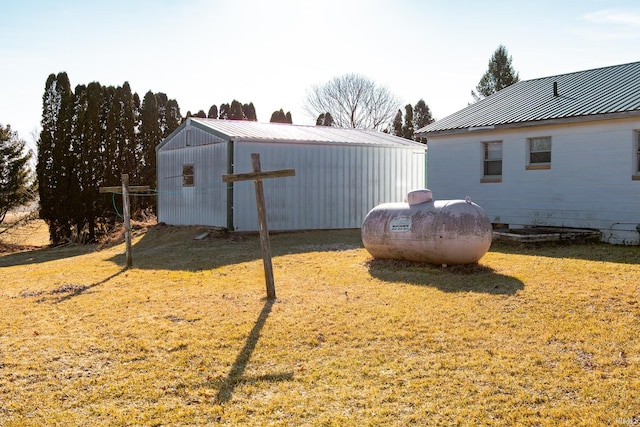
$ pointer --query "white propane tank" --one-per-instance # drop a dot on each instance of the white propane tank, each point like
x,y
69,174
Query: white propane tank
x,y
437,232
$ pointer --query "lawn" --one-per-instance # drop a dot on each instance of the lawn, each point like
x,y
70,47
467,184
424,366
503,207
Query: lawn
x,y
544,335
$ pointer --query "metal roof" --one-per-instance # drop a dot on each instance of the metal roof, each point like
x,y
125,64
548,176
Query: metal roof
x,y
613,90
240,130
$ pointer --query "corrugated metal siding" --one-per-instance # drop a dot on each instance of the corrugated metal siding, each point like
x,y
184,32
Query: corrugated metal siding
x,y
334,187
600,91
202,204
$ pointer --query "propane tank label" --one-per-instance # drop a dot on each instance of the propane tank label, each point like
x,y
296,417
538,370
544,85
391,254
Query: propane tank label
x,y
400,224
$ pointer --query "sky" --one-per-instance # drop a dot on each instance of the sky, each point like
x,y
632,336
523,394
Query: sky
x,y
272,52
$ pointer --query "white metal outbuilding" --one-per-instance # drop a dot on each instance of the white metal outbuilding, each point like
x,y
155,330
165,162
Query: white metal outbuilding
x,y
340,174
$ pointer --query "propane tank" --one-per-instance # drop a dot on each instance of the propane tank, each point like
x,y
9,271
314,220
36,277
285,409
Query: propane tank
x,y
423,230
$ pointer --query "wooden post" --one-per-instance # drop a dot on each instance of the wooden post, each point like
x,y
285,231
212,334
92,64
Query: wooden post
x,y
127,218
264,231
257,176
126,189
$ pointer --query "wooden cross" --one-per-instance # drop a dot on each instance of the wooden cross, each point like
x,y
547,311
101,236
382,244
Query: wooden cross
x,y
257,176
126,189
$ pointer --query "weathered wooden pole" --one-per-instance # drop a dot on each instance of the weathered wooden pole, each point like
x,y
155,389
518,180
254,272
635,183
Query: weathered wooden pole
x,y
125,188
127,218
257,176
264,231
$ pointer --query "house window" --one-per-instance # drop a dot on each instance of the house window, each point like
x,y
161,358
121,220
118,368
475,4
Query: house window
x,y
492,161
188,176
539,152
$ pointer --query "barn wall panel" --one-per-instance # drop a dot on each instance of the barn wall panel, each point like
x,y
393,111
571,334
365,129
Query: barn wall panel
x,y
205,202
334,186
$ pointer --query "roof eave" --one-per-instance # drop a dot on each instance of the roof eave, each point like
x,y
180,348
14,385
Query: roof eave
x,y
389,144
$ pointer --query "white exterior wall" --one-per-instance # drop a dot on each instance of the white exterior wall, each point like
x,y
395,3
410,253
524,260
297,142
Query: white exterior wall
x,y
589,184
334,186
204,203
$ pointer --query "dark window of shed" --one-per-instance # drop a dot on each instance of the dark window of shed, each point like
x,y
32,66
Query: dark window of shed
x,y
188,176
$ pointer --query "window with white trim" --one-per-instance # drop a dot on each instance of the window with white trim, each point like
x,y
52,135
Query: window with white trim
x,y
539,149
188,176
492,161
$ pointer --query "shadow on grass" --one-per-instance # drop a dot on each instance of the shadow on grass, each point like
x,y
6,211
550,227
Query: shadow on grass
x,y
458,278
175,247
79,290
45,254
588,251
235,375
66,292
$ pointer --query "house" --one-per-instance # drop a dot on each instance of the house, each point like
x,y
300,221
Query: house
x,y
340,174
555,151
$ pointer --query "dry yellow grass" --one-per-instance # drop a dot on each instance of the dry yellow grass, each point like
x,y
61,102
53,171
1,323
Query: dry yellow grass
x,y
530,336
18,233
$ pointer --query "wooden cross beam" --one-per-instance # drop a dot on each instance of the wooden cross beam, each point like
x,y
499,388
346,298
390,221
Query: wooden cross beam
x,y
257,176
118,189
126,189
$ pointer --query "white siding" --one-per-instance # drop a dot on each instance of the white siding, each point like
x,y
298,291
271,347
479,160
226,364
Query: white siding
x,y
589,183
334,186
204,203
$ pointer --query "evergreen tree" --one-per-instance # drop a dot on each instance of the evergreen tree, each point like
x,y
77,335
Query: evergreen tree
x,y
173,118
88,139
45,172
201,114
150,136
421,115
112,153
55,157
161,102
249,112
397,124
235,111
16,183
500,74
288,117
76,204
126,133
91,171
136,108
407,129
65,157
324,119
213,112
224,112
280,117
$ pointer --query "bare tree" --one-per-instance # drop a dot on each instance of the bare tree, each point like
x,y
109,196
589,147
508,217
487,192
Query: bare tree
x,y
353,101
